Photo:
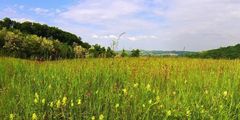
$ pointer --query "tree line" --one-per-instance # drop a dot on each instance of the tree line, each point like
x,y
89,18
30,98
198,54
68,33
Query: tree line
x,y
43,31
24,40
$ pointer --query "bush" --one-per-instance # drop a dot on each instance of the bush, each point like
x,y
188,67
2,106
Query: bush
x,y
135,53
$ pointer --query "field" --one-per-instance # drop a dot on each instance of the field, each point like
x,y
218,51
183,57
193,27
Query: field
x,y
120,88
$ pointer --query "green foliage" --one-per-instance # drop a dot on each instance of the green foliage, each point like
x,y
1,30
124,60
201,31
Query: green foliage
x,y
135,53
231,52
17,44
2,36
110,53
124,53
97,51
43,31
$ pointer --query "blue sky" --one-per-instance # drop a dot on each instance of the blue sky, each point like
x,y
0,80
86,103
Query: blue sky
x,y
149,24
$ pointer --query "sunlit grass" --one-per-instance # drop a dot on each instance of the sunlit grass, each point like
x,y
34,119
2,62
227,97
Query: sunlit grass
x,y
121,88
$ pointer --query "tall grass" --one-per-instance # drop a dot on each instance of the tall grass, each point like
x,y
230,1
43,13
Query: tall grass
x,y
122,88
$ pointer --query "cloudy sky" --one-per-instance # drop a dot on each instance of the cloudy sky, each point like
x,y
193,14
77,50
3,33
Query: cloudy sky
x,y
149,24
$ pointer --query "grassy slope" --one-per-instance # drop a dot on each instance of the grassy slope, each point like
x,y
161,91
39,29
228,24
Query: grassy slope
x,y
144,88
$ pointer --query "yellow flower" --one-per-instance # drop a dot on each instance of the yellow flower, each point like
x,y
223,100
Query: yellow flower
x,y
225,93
72,104
79,102
36,96
34,116
101,117
93,118
124,91
148,87
51,104
188,113
64,101
221,106
35,100
117,105
135,85
169,113
49,86
43,101
58,104
174,93
150,101
11,116
206,92
158,98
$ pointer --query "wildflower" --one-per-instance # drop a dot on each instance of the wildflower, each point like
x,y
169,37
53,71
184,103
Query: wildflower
x,y
34,116
64,101
206,92
43,101
157,98
161,106
169,113
148,87
188,113
79,102
93,118
135,85
185,81
72,104
11,116
150,101
58,104
225,93
51,104
117,105
174,93
124,91
101,117
36,96
49,86
221,106
35,100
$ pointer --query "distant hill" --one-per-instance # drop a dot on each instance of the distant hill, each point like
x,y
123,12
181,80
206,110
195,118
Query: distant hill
x,y
160,52
164,53
230,52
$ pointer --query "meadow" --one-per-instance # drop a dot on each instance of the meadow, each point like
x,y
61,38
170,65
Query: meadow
x,y
145,88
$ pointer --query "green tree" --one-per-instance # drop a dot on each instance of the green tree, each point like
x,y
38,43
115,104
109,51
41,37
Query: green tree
x,y
135,53
110,53
52,33
2,36
124,53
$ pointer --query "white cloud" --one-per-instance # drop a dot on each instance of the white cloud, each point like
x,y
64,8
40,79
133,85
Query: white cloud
x,y
127,37
40,11
95,10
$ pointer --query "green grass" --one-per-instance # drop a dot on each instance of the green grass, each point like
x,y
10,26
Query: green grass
x,y
121,88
